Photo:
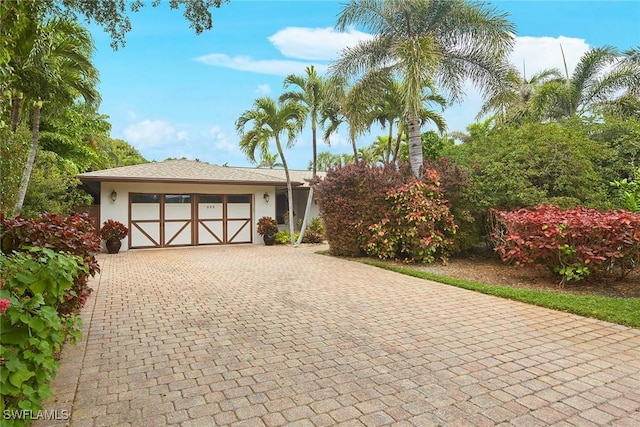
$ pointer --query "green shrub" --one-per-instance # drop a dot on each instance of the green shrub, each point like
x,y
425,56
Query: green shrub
x,y
34,284
283,237
629,192
74,234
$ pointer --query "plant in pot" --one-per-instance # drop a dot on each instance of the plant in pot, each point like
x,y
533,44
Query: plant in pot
x,y
267,228
112,232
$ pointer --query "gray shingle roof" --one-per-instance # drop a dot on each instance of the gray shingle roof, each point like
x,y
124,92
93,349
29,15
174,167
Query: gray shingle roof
x,y
195,172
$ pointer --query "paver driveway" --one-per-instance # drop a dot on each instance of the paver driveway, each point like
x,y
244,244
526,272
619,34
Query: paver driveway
x,y
282,336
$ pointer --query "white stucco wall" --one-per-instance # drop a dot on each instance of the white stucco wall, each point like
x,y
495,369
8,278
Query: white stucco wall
x,y
119,210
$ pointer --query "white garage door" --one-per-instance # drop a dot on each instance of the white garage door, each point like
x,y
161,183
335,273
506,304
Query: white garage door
x,y
163,220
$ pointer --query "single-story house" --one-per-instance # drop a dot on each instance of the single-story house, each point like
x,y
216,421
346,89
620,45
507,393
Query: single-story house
x,y
191,203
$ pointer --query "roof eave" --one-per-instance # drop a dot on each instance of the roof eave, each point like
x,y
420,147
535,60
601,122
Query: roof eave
x,y
182,181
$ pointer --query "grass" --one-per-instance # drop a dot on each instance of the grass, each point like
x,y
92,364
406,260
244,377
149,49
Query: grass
x,y
623,311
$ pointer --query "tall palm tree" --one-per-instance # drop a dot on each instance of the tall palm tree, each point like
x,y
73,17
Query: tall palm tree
x,y
50,65
270,120
311,95
599,75
346,106
427,43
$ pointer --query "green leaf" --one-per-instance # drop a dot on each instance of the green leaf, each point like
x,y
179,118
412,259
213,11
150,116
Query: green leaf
x,y
19,377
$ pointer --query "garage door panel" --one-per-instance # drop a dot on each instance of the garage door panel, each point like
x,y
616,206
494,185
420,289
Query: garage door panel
x,y
210,232
177,233
145,234
176,211
210,210
145,211
239,210
238,231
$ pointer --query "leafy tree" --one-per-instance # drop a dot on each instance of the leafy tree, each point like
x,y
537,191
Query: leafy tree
x,y
424,44
111,15
534,164
53,187
269,120
51,64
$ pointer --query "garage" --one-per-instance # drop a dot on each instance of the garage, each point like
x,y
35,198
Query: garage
x,y
166,220
190,203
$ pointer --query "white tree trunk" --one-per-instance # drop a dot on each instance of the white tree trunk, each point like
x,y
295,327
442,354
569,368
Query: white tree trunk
x,y
35,136
306,216
289,190
415,146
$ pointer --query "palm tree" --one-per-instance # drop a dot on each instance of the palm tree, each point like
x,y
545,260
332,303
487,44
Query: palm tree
x,y
327,160
346,107
311,95
269,160
50,65
436,43
512,104
599,75
271,120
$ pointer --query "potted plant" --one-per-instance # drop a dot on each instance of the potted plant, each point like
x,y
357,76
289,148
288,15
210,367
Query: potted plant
x,y
112,232
267,228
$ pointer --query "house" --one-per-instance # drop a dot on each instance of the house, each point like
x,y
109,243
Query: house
x,y
192,203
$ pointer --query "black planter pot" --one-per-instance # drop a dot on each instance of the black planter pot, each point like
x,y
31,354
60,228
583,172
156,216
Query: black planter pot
x,y
269,239
113,246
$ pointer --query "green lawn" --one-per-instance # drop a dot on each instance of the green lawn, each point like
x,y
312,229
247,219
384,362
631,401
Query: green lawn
x,y
624,311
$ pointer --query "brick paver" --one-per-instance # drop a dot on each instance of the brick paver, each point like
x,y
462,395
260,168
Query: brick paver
x,y
250,335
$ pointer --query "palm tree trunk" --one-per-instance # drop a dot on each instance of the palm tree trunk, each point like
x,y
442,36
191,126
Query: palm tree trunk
x,y
305,218
35,136
415,145
389,142
15,111
307,208
314,146
355,150
289,190
396,149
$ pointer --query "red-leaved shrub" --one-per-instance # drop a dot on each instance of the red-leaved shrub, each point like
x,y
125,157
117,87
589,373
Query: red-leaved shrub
x,y
418,225
350,199
74,234
571,243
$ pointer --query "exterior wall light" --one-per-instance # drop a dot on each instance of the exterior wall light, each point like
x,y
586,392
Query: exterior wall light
x,y
114,195
266,197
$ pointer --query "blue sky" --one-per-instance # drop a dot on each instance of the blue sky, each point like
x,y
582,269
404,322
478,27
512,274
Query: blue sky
x,y
171,93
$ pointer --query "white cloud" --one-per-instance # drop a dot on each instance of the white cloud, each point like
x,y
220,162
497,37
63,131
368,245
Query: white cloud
x,y
303,46
315,43
264,89
221,140
149,134
535,54
265,66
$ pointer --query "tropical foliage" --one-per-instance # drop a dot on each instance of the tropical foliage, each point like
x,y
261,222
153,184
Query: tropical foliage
x,y
426,44
270,120
572,244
